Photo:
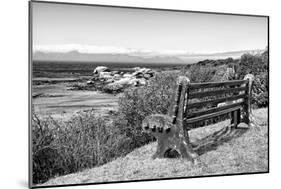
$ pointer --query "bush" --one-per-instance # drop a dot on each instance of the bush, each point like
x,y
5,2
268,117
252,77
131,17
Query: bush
x,y
43,151
260,90
220,74
253,64
137,103
258,66
198,74
82,142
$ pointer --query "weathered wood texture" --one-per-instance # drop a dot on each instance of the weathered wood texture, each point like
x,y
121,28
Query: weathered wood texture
x,y
210,115
216,92
234,96
197,105
215,101
213,110
176,106
247,105
216,84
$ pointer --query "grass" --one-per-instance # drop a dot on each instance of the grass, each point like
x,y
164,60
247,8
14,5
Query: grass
x,y
221,150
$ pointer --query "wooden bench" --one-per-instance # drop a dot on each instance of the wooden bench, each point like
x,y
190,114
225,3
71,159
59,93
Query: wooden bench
x,y
196,105
202,102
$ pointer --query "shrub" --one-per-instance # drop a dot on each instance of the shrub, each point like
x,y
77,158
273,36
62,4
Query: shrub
x,y
197,73
82,142
43,151
258,66
253,64
260,90
137,103
220,73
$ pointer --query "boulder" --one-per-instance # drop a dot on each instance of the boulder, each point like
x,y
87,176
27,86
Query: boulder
x,y
147,76
116,81
138,74
114,72
99,69
105,75
90,82
127,75
123,81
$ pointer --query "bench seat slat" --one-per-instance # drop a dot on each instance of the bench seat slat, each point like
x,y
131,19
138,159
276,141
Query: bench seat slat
x,y
211,115
215,101
216,84
215,92
213,110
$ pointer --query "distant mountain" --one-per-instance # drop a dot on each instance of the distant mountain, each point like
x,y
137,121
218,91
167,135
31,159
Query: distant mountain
x,y
221,55
137,57
103,57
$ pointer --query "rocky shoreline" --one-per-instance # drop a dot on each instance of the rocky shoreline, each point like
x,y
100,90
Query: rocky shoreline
x,y
114,82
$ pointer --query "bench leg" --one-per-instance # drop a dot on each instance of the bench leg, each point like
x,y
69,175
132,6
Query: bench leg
x,y
186,135
161,149
238,116
235,119
231,118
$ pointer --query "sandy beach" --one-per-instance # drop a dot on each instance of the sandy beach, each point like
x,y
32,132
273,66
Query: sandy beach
x,y
57,101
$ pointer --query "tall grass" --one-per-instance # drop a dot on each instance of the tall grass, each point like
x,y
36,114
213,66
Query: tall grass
x,y
82,142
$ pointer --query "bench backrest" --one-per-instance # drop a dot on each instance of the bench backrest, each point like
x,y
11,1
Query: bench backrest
x,y
205,102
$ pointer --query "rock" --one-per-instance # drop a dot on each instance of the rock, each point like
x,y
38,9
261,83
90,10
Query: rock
x,y
122,81
116,81
110,81
138,75
105,75
101,69
114,72
90,82
143,73
243,125
127,75
147,76
142,81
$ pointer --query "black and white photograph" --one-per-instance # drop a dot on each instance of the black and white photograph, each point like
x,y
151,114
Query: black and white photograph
x,y
123,94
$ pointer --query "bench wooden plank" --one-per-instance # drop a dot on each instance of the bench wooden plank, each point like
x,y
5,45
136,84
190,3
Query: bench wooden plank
x,y
215,92
213,110
211,115
235,118
215,101
216,84
198,126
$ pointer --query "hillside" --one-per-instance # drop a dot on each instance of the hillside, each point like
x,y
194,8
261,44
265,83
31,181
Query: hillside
x,y
135,57
222,150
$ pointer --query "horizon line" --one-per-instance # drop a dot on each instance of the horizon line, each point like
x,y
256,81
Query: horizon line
x,y
93,49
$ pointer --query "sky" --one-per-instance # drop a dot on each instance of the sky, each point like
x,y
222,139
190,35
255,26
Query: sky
x,y
61,27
